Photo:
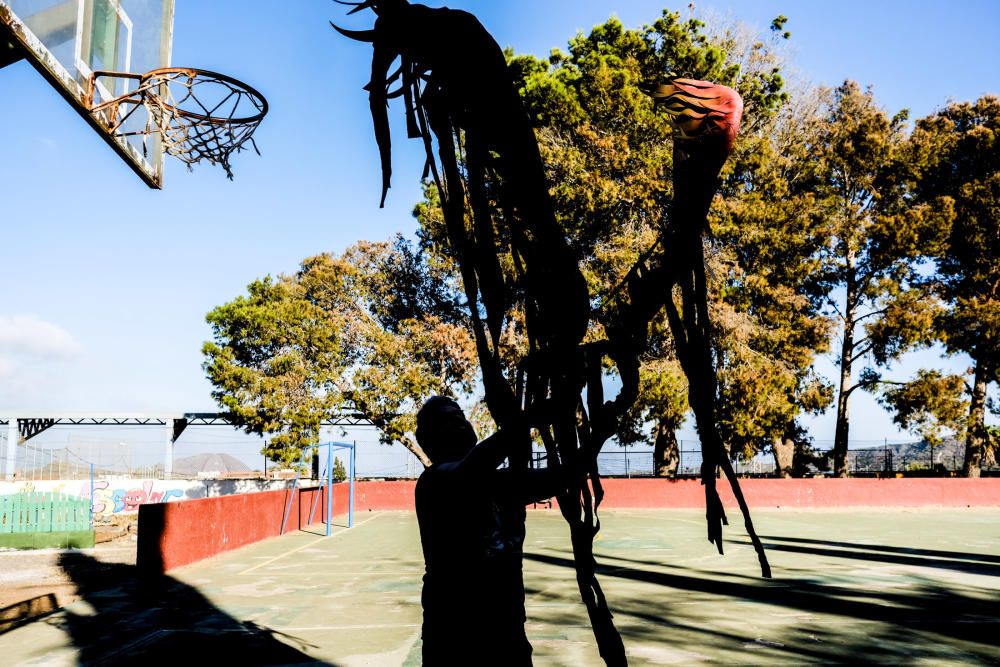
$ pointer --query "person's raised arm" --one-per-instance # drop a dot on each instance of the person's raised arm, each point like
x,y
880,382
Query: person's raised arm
x,y
485,457
535,485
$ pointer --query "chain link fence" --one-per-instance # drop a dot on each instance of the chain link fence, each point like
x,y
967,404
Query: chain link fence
x,y
864,458
137,453
639,462
871,457
41,462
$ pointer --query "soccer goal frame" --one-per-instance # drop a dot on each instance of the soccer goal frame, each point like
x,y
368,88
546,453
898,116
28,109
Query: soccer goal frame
x,y
330,448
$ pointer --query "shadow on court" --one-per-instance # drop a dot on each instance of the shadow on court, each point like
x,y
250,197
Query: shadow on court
x,y
930,556
353,600
963,563
926,619
160,620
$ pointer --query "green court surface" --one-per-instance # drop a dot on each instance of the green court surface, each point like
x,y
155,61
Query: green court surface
x,y
902,586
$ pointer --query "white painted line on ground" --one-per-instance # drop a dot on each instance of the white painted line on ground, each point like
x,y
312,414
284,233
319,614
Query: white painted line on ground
x,y
380,573
306,546
375,563
324,628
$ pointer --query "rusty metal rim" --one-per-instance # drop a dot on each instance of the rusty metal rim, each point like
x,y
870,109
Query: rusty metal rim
x,y
208,74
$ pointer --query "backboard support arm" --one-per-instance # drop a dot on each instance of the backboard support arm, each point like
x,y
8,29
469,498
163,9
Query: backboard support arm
x,y
10,51
60,25
17,39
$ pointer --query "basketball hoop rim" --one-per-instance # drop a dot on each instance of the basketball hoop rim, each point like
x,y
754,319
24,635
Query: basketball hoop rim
x,y
148,79
195,72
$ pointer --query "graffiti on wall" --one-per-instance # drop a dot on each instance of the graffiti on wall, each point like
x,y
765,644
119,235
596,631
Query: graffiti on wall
x,y
109,500
110,497
124,496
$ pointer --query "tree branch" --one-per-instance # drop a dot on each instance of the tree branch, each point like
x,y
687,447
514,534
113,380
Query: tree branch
x,y
864,385
833,305
866,348
880,311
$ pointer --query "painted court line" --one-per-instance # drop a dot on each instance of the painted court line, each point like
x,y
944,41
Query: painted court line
x,y
324,628
304,546
372,562
367,573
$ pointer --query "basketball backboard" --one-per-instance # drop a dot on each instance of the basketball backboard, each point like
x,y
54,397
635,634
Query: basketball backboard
x,y
68,40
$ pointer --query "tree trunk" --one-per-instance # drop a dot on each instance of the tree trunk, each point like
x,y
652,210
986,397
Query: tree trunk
x,y
666,457
784,452
416,450
846,361
975,440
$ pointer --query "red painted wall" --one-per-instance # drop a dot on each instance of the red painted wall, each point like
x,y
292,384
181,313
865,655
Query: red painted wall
x,y
178,533
815,493
384,496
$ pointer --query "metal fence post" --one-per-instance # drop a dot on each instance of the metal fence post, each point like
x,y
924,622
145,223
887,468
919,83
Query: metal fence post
x,y
11,458
350,505
168,450
329,486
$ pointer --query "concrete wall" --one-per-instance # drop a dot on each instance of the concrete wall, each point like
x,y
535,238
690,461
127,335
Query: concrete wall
x,y
396,495
178,533
816,493
124,496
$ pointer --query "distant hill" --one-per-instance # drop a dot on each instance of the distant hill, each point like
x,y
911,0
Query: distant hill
x,y
192,466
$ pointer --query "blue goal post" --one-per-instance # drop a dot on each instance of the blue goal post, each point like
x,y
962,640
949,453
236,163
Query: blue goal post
x,y
330,448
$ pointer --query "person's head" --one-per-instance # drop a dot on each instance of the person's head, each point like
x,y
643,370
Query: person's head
x,y
443,432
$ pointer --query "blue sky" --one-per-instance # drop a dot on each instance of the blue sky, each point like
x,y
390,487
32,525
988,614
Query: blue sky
x,y
105,283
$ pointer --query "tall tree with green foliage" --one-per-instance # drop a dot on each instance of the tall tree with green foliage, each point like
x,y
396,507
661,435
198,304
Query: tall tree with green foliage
x,y
769,238
662,402
374,331
270,365
608,158
960,146
596,132
858,173
931,405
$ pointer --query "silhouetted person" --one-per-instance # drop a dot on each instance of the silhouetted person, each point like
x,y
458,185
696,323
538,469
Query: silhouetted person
x,y
472,530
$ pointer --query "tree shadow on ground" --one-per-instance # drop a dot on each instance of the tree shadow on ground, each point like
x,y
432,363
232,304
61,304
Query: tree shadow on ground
x,y
913,551
868,553
15,615
736,619
160,620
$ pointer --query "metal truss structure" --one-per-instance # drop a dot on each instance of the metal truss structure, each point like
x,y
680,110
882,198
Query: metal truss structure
x,y
22,428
